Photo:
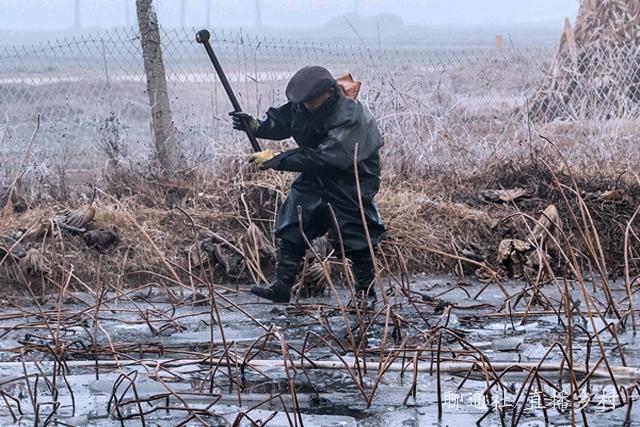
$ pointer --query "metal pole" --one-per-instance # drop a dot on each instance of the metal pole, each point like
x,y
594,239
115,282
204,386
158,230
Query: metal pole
x,y
202,37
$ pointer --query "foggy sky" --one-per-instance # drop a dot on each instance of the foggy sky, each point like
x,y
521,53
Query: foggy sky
x,y
58,14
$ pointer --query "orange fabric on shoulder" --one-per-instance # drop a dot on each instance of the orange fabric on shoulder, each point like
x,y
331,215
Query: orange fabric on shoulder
x,y
349,87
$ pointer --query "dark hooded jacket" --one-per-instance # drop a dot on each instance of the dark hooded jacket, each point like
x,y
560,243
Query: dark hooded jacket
x,y
327,140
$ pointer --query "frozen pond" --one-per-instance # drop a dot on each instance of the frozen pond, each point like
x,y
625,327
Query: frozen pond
x,y
160,356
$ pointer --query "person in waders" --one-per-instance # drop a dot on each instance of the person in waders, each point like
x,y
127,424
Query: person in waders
x,y
327,125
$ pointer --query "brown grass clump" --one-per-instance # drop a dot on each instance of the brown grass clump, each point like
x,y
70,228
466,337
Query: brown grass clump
x,y
421,228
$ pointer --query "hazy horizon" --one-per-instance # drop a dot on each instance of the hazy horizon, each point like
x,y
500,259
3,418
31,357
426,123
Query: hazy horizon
x,y
30,15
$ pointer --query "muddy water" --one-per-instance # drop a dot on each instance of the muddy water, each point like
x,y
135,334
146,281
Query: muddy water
x,y
176,332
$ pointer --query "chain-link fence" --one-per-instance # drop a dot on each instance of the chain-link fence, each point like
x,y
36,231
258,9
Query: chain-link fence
x,y
435,107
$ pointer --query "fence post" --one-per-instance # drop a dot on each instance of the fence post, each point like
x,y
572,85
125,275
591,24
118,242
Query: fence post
x,y
164,137
106,72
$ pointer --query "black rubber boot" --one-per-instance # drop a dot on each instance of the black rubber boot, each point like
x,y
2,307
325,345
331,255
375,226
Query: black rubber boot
x,y
274,293
364,274
287,268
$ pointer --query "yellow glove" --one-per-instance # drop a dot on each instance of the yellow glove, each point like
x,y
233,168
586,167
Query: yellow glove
x,y
261,157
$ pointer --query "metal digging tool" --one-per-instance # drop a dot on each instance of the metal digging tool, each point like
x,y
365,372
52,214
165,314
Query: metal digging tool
x,y
202,37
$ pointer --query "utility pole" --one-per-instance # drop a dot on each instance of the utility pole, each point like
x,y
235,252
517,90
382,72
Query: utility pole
x,y
258,14
183,13
208,14
127,16
76,15
356,7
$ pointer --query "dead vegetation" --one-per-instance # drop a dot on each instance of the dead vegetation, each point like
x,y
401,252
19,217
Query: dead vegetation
x,y
200,238
189,242
223,223
596,72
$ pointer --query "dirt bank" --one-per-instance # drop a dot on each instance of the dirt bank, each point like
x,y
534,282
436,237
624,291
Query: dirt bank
x,y
442,224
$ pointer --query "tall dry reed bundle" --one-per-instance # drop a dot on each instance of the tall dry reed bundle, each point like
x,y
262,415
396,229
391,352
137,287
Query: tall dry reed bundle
x,y
596,72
